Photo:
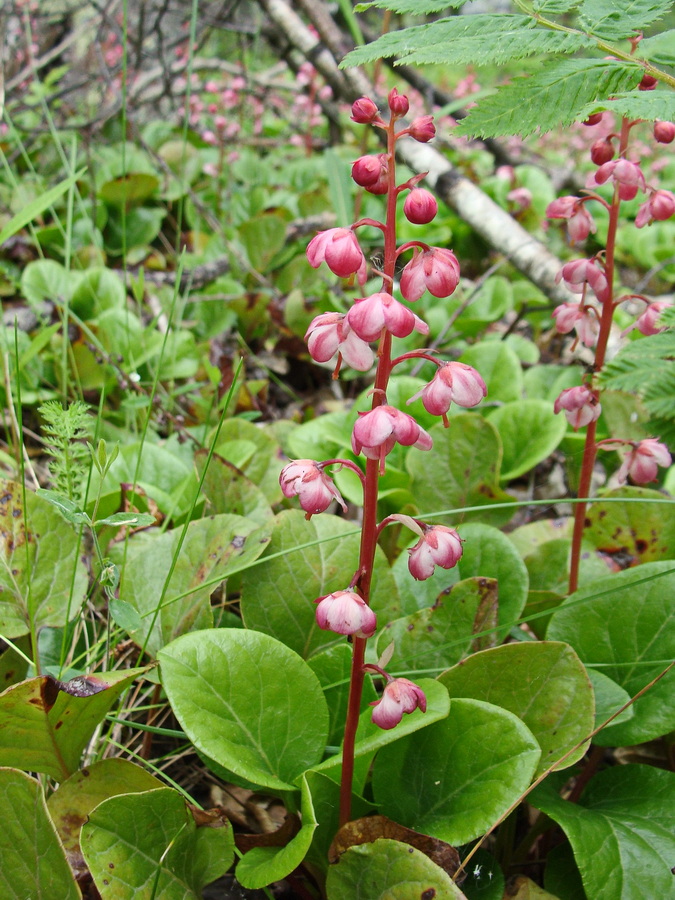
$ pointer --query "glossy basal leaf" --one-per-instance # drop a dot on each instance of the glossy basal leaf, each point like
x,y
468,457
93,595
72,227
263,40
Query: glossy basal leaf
x,y
325,793
34,863
609,697
242,698
543,683
227,490
621,830
415,595
264,865
530,432
148,845
488,553
211,550
263,464
461,469
388,870
500,368
277,596
454,779
332,666
14,666
44,729
548,566
624,624
442,634
42,578
97,290
643,532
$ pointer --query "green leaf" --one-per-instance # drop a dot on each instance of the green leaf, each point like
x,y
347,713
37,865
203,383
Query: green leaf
x,y
45,279
264,463
621,831
212,549
454,778
386,869
609,697
339,188
643,532
135,520
554,6
417,7
332,667
36,207
70,510
227,490
659,48
97,290
148,845
33,860
555,96
530,432
543,683
649,105
462,469
277,596
242,698
33,712
622,18
500,368
42,578
263,865
624,625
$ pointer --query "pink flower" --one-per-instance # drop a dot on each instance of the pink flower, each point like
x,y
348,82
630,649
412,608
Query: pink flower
x,y
664,132
364,111
581,272
583,319
341,252
422,129
580,405
626,174
435,270
438,546
420,206
453,382
648,322
372,173
579,221
376,432
659,206
345,612
329,333
642,461
369,315
399,696
306,480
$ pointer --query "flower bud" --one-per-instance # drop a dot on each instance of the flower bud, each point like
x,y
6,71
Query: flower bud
x,y
420,206
648,83
626,174
664,132
398,103
400,696
659,207
602,151
580,272
593,120
580,405
642,461
345,612
579,221
371,173
306,480
438,546
422,129
364,111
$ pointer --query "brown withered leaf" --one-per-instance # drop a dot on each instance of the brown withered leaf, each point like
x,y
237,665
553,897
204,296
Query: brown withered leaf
x,y
209,818
81,685
370,828
278,838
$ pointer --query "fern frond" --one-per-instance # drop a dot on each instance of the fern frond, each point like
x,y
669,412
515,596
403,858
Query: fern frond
x,y
554,7
659,49
554,96
621,18
65,432
417,7
649,105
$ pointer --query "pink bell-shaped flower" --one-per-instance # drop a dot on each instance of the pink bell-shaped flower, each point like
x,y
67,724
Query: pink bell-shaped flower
x,y
400,696
583,319
341,252
369,315
329,333
580,405
453,382
435,270
579,272
306,480
438,546
375,433
345,612
364,111
579,221
422,129
659,207
642,461
626,174
648,322
420,206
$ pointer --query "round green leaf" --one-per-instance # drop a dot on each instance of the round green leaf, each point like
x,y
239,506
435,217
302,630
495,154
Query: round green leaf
x,y
388,870
543,683
609,697
643,531
500,367
530,432
242,698
456,777
625,625
148,845
621,830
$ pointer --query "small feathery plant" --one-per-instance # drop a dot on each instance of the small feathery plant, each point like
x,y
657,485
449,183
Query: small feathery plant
x,y
66,432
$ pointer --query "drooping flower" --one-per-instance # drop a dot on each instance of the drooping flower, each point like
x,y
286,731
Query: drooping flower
x,y
420,206
579,221
340,250
369,315
582,318
580,405
438,546
330,333
642,461
580,272
375,433
657,208
435,270
372,173
306,480
453,382
345,612
624,173
400,696
422,129
647,323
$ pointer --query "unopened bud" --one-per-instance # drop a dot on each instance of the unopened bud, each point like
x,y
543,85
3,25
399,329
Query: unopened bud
x,y
364,111
602,151
398,103
664,132
593,120
423,129
648,83
420,206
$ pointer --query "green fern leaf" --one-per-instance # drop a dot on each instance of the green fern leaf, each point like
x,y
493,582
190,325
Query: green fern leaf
x,y
659,49
619,19
648,105
554,7
417,7
554,96
462,40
